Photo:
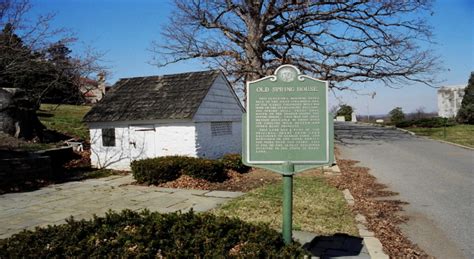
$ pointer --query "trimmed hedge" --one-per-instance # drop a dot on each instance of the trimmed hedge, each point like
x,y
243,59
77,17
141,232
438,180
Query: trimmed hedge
x,y
131,234
435,122
163,169
158,170
234,162
207,169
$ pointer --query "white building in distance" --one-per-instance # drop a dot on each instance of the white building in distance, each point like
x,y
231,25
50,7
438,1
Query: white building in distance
x,y
449,100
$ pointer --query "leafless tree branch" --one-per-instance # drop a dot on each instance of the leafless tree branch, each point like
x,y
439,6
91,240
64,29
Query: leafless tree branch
x,y
340,41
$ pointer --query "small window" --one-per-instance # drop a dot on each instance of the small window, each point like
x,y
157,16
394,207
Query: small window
x,y
108,137
221,128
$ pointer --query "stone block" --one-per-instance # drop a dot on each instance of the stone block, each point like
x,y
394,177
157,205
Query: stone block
x,y
348,196
360,219
375,248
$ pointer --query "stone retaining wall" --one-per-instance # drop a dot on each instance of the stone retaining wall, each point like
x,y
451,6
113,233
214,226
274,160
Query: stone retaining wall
x,y
14,170
44,164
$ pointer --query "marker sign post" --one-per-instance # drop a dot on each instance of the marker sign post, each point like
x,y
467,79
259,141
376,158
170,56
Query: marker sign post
x,y
287,129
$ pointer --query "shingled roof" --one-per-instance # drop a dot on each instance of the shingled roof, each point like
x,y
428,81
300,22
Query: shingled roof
x,y
176,96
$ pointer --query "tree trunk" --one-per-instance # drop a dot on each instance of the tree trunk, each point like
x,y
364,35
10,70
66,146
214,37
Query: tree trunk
x,y
254,46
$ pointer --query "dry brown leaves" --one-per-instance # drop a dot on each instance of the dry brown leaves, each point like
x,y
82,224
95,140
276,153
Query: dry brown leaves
x,y
235,182
82,160
382,215
235,251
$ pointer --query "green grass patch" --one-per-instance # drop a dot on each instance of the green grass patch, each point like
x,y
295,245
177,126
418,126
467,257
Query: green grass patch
x,y
66,119
459,134
317,207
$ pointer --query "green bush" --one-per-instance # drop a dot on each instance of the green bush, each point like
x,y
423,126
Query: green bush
x,y
207,169
396,115
346,111
234,162
168,168
131,234
158,170
435,122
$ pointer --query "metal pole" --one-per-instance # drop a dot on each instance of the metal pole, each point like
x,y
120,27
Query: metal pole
x,y
288,202
444,128
368,113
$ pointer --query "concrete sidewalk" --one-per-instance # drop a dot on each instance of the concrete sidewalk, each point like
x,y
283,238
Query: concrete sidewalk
x,y
53,204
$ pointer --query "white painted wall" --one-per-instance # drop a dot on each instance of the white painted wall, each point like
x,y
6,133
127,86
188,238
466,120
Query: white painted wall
x,y
117,157
168,138
220,104
176,139
213,147
142,141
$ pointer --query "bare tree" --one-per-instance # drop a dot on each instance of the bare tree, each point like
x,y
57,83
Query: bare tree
x,y
420,112
36,57
339,41
333,109
30,48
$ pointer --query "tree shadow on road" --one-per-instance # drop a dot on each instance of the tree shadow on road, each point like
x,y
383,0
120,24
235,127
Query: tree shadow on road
x,y
355,134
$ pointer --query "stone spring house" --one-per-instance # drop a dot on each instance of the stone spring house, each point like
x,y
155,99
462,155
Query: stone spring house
x,y
449,100
193,114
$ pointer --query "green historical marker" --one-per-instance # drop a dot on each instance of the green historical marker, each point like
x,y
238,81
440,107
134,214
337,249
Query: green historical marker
x,y
287,129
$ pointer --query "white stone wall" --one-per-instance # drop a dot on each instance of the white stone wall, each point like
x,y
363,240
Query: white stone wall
x,y
117,157
449,100
176,139
169,138
208,146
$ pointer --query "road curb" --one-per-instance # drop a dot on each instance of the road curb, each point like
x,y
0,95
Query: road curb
x,y
332,170
373,244
406,131
375,125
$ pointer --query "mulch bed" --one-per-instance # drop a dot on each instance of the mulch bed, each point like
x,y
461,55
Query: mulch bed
x,y
235,182
383,216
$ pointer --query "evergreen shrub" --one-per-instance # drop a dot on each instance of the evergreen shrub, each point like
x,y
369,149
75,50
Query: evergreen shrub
x,y
168,168
234,162
435,122
207,169
466,112
158,170
150,235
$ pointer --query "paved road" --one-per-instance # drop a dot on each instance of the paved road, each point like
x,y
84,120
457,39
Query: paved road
x,y
53,204
437,179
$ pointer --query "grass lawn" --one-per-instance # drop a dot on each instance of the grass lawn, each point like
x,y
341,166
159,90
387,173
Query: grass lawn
x,y
317,207
460,134
66,119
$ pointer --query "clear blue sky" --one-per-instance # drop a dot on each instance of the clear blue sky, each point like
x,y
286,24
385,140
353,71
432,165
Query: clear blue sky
x,y
124,29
